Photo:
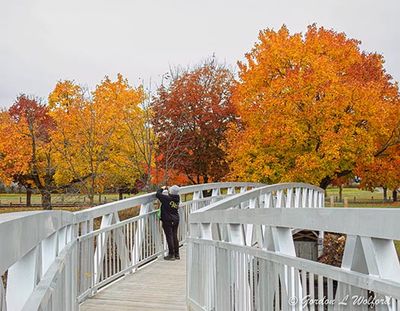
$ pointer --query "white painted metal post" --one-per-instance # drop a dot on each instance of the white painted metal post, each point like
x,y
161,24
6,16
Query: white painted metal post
x,y
22,278
215,193
49,251
139,234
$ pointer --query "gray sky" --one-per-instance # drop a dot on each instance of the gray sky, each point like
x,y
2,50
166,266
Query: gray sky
x,y
43,41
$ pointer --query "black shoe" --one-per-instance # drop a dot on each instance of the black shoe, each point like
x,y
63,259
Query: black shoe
x,y
169,257
177,257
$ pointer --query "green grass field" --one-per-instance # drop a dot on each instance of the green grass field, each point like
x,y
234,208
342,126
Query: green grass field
x,y
355,192
20,198
359,198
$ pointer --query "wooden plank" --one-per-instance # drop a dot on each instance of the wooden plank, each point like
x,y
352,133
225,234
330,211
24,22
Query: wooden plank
x,y
160,285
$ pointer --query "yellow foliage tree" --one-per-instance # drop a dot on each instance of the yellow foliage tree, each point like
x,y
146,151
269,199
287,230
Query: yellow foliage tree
x,y
90,132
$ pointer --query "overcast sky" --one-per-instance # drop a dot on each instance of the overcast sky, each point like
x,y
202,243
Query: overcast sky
x,y
43,41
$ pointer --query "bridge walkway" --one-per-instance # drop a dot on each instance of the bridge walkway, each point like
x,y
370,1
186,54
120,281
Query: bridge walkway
x,y
160,285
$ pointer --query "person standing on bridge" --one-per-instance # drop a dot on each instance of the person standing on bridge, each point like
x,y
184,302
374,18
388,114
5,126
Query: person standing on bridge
x,y
170,219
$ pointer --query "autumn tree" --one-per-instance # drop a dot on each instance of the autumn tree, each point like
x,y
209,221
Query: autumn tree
x,y
382,171
14,156
132,157
26,152
191,115
311,107
81,141
91,133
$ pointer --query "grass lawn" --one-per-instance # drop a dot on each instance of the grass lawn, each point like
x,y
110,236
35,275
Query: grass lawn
x,y
359,198
25,209
359,194
20,198
68,199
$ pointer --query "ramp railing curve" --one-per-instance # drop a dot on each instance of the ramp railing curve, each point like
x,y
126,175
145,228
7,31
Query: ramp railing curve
x,y
241,254
53,260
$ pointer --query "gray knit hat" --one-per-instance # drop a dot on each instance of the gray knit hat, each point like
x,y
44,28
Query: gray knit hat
x,y
174,189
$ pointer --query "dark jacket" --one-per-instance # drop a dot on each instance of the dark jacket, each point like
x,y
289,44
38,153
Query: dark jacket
x,y
169,206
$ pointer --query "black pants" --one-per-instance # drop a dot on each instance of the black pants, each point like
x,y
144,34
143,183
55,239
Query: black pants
x,y
171,233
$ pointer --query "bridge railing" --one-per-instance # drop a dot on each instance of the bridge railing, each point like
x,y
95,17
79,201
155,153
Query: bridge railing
x,y
38,257
53,260
253,265
119,247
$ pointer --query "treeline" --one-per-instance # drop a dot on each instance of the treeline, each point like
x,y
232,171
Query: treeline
x,y
305,107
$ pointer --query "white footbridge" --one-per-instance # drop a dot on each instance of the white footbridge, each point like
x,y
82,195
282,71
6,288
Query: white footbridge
x,y
238,253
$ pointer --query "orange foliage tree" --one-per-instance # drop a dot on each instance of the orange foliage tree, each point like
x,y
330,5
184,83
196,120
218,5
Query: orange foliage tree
x,y
383,171
26,152
191,116
311,108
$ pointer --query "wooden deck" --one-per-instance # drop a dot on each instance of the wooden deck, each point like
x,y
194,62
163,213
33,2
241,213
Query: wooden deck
x,y
160,285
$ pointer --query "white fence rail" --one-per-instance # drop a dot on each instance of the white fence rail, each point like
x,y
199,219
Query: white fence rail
x,y
53,260
241,254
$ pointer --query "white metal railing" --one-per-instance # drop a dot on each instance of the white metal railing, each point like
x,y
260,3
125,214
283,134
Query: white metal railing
x,y
241,254
52,260
32,246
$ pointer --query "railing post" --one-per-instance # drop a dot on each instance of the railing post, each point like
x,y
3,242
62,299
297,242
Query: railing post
x,y
122,250
304,198
371,256
49,251
62,239
297,198
215,193
197,195
139,235
22,278
289,198
279,199
231,190
253,233
101,246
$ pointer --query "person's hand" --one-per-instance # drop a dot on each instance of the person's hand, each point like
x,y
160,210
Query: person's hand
x,y
164,187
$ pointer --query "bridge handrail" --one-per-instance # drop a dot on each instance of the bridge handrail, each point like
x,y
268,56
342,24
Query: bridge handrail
x,y
29,229
120,205
49,240
354,278
30,243
140,250
248,239
382,223
316,200
60,275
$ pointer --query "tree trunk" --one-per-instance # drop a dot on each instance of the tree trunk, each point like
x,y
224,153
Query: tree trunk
x,y
91,198
91,190
325,182
385,194
120,194
28,196
395,195
341,193
46,199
